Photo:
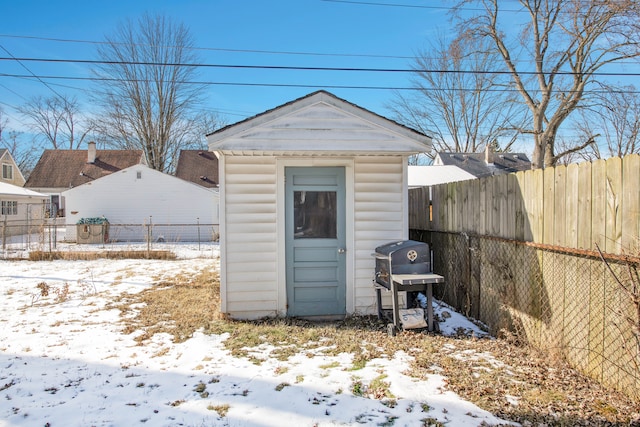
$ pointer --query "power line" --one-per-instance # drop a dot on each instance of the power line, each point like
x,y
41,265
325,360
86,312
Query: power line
x,y
412,6
219,49
460,8
288,85
28,70
304,68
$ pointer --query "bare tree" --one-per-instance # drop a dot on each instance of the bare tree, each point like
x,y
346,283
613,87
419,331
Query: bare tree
x,y
57,121
147,91
205,123
613,123
619,121
458,101
556,56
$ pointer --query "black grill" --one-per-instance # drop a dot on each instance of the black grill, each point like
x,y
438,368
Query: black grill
x,y
404,266
403,257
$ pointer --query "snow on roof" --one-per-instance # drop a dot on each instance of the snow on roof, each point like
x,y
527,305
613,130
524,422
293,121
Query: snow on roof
x,y
7,189
422,176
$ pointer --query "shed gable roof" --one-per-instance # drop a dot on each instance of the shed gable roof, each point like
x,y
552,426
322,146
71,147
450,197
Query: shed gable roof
x,y
70,168
199,167
318,123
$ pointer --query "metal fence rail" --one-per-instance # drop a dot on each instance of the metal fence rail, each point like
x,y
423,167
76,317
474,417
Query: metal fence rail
x,y
52,234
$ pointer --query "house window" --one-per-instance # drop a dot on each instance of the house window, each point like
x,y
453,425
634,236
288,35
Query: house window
x,y
7,171
9,207
139,174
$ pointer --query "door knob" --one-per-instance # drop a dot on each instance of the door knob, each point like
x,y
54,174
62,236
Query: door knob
x,y
341,250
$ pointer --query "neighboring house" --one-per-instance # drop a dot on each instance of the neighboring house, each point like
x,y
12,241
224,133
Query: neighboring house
x,y
60,170
10,171
199,167
485,164
308,190
21,210
132,197
424,176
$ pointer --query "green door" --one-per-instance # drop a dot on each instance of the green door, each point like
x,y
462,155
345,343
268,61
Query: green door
x,y
315,241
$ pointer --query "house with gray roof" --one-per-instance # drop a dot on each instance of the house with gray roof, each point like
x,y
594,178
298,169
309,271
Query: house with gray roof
x,y
484,164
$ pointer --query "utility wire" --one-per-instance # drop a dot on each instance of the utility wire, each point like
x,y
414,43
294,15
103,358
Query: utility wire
x,y
217,49
30,72
412,6
302,68
290,85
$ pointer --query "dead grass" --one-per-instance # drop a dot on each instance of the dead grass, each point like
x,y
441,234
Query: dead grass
x,y
89,256
509,380
179,307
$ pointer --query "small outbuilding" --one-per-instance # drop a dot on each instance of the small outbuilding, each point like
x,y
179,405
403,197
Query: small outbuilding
x,y
21,210
308,190
141,203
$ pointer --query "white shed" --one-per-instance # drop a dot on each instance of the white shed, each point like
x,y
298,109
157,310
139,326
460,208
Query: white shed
x,y
136,196
308,190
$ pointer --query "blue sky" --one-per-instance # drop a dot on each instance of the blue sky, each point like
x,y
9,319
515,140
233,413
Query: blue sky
x,y
333,33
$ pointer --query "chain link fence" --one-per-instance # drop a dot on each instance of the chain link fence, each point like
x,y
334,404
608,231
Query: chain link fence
x,y
571,303
49,235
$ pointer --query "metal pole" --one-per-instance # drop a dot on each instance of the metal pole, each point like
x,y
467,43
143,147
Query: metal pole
x,y
4,233
149,237
198,222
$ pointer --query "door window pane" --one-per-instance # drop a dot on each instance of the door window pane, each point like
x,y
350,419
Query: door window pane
x,y
314,214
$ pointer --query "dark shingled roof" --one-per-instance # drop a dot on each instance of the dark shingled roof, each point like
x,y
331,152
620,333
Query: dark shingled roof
x,y
475,164
198,166
69,168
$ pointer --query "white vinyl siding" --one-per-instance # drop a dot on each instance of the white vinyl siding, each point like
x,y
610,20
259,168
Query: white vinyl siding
x,y
380,209
250,243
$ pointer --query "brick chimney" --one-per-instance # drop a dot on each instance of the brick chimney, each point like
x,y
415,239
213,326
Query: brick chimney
x,y
488,155
91,152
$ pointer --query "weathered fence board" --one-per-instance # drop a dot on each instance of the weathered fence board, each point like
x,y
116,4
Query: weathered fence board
x,y
614,206
631,203
584,222
549,206
558,217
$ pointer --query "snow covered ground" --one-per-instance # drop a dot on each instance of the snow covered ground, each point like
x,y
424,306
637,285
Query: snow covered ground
x,y
69,364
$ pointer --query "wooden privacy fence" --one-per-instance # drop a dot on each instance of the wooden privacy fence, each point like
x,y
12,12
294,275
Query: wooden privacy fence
x,y
519,252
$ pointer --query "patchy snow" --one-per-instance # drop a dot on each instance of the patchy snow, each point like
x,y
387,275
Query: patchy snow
x,y
69,364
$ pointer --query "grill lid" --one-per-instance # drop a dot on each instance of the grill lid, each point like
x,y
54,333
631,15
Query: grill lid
x,y
403,246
